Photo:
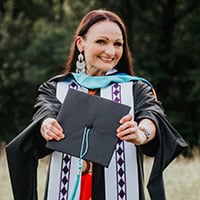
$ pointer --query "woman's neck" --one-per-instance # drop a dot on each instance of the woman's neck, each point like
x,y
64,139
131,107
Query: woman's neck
x,y
95,72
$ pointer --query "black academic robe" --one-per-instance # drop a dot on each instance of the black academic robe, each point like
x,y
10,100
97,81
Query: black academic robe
x,y
24,151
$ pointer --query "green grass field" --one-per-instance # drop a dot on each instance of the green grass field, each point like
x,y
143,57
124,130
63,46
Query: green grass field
x,y
182,178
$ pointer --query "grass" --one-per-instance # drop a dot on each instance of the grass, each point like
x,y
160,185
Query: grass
x,y
182,177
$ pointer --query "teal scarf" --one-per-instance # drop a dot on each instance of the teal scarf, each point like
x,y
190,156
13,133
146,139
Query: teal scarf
x,y
94,82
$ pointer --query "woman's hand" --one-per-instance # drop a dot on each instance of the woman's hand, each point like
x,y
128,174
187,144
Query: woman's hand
x,y
130,131
51,130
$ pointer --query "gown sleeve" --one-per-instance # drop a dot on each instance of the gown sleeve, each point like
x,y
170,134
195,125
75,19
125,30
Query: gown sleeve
x,y
167,144
28,146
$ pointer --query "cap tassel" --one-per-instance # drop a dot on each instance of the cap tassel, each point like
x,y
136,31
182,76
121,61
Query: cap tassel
x,y
83,152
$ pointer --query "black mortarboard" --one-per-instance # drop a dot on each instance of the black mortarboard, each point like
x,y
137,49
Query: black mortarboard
x,y
91,120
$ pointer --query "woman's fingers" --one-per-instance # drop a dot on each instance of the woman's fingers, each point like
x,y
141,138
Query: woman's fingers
x,y
126,131
129,131
51,129
53,132
125,118
56,125
126,125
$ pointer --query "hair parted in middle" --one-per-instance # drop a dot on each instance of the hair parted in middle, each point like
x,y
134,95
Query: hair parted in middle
x,y
91,18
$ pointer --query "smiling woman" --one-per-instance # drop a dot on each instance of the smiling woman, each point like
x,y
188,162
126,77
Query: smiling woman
x,y
102,47
101,58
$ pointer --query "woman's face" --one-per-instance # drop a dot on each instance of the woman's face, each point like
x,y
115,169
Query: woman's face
x,y
102,46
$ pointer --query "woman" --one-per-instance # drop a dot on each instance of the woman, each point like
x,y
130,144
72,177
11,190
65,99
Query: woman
x,y
100,49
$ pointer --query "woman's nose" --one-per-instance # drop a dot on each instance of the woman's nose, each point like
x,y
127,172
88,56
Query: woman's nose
x,y
110,50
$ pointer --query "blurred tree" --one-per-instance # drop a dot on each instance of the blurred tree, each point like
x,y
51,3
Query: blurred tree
x,y
33,47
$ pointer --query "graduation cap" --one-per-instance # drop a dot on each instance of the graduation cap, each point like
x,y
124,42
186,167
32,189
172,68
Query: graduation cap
x,y
89,123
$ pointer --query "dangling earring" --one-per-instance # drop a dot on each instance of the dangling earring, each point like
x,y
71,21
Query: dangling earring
x,y
80,64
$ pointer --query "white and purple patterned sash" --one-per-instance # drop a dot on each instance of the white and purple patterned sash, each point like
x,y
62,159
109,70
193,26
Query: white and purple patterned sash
x,y
121,177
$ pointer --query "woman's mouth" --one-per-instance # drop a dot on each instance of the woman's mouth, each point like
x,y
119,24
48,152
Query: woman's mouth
x,y
106,59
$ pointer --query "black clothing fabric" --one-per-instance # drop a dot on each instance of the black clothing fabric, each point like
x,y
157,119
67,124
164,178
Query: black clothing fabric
x,y
29,146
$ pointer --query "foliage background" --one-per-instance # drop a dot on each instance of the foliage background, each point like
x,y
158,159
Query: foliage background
x,y
35,36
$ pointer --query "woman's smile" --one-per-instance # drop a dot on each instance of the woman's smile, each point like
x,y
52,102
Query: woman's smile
x,y
106,59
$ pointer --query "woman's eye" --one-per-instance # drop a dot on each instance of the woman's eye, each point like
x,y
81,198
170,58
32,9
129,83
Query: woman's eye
x,y
119,44
100,41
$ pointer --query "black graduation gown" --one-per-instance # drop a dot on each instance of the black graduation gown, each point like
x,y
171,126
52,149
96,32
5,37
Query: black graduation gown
x,y
24,151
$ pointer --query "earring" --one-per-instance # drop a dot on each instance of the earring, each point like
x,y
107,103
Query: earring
x,y
80,64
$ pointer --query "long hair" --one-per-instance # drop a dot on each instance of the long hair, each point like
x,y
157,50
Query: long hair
x,y
91,18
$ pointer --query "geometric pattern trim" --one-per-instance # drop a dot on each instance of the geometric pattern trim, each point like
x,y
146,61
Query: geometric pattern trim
x,y
66,165
120,153
65,175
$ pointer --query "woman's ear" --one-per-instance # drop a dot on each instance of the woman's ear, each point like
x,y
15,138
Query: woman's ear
x,y
79,43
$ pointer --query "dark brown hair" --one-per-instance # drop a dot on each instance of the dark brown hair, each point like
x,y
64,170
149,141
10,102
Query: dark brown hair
x,y
91,18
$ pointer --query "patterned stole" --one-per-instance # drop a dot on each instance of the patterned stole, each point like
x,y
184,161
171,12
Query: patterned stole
x,y
121,177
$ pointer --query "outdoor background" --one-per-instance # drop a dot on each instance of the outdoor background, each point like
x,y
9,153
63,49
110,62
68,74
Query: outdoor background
x,y
35,37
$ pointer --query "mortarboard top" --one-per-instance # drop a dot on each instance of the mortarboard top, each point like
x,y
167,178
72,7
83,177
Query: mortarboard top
x,y
91,120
